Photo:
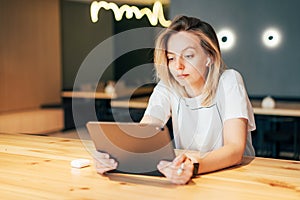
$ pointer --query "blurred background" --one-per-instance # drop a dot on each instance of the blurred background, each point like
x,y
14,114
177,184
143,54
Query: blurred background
x,y
44,42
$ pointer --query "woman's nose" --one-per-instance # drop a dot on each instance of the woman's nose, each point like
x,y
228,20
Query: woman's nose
x,y
180,65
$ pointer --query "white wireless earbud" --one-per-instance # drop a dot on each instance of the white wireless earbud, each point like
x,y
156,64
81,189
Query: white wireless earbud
x,y
208,62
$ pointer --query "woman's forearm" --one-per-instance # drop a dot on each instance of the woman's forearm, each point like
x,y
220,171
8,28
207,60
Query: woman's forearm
x,y
226,156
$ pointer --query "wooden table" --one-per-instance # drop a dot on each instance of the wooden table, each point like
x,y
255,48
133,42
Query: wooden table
x,y
87,95
102,101
38,167
291,109
137,103
281,109
120,93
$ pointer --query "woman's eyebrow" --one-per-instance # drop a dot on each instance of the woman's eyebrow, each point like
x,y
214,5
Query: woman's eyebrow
x,y
183,50
187,48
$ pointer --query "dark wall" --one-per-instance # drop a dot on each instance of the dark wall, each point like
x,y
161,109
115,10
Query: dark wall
x,y
80,36
136,57
139,57
266,71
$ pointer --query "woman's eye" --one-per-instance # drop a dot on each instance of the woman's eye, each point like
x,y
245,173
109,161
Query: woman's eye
x,y
170,58
189,56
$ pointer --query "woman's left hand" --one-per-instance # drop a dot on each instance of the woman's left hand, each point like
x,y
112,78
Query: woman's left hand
x,y
179,171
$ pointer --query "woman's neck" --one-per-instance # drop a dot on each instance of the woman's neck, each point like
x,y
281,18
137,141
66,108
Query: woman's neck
x,y
194,91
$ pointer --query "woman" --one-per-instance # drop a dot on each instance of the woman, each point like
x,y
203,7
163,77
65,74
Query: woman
x,y
210,110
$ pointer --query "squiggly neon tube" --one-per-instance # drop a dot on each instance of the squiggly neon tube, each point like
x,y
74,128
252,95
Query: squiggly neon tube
x,y
154,16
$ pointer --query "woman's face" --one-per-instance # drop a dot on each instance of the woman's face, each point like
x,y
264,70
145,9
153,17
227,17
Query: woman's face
x,y
187,61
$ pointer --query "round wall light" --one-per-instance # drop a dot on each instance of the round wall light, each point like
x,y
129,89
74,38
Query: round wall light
x,y
226,39
271,37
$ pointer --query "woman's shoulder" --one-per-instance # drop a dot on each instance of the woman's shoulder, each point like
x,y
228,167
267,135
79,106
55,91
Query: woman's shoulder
x,y
161,87
231,76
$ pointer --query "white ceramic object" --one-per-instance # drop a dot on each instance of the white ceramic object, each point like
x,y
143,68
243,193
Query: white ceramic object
x,y
268,102
80,163
110,88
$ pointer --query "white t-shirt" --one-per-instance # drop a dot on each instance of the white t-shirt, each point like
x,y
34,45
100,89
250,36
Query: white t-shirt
x,y
201,128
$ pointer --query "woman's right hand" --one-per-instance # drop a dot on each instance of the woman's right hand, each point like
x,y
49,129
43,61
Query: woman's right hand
x,y
104,163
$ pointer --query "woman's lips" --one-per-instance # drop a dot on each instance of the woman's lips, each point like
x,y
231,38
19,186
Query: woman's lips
x,y
182,75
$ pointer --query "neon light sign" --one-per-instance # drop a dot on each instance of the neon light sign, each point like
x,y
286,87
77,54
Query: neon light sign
x,y
154,16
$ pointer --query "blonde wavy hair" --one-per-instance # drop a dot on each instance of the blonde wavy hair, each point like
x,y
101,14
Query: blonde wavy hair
x,y
208,41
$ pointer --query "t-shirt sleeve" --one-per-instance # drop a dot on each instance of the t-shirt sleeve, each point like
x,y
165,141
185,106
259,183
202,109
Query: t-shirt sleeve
x,y
159,105
236,103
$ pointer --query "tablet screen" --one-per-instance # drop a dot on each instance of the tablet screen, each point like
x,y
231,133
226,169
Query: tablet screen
x,y
136,147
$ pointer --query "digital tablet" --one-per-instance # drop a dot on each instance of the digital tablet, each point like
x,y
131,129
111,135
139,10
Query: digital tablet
x,y
136,147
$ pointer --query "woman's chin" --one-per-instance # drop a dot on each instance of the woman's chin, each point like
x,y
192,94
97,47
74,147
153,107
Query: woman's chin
x,y
181,82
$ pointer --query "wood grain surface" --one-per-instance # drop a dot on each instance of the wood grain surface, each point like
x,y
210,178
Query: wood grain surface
x,y
38,167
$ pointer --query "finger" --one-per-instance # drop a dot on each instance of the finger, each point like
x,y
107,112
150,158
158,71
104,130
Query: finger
x,y
186,168
101,155
181,174
169,170
102,168
105,162
165,167
179,159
